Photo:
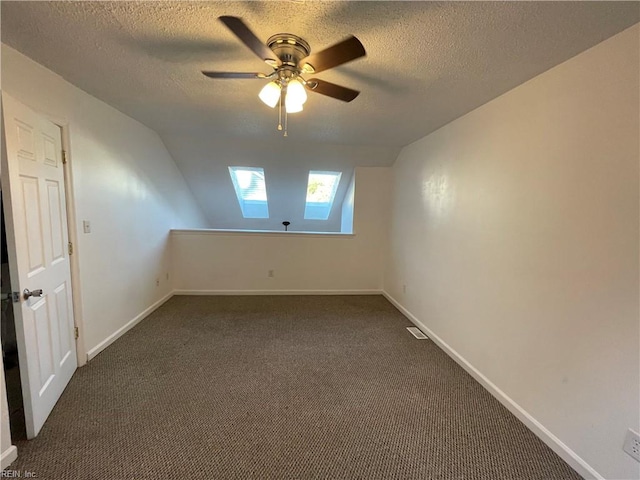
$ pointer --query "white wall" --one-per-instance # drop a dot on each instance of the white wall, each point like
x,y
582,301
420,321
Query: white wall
x,y
515,231
125,183
346,219
231,261
286,161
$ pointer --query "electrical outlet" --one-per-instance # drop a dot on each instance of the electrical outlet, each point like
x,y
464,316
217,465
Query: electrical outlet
x,y
632,444
157,282
270,274
404,289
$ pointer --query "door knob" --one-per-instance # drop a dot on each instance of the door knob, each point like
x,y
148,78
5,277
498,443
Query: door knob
x,y
36,293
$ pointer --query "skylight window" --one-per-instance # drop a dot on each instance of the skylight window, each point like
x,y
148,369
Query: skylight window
x,y
321,191
251,191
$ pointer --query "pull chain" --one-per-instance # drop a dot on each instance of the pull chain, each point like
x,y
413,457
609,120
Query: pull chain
x,y
280,113
286,121
286,115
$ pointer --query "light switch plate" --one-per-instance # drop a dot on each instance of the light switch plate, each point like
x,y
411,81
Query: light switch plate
x,y
86,226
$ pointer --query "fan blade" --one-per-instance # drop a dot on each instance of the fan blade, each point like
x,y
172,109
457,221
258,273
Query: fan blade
x,y
340,53
234,75
247,37
331,90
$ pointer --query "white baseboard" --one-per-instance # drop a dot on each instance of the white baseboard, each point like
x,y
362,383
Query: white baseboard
x,y
563,451
277,292
8,457
124,329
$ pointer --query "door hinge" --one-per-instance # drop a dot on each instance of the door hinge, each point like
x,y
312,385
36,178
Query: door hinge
x,y
15,297
64,157
70,248
75,332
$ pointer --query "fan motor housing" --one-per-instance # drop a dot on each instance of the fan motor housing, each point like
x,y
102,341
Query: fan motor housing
x,y
289,48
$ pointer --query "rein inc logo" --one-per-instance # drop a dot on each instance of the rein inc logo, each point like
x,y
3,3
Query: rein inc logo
x,y
18,474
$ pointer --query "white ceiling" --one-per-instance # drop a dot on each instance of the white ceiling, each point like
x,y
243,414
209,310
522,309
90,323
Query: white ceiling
x,y
427,63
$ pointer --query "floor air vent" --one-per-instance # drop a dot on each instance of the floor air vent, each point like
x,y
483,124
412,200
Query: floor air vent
x,y
415,331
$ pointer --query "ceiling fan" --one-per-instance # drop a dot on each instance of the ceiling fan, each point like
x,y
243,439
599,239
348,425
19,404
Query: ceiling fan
x,y
290,57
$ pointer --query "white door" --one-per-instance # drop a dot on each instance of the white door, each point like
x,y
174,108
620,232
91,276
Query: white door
x,y
36,223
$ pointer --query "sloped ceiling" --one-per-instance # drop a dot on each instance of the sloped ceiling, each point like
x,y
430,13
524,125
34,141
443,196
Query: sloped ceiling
x,y
427,64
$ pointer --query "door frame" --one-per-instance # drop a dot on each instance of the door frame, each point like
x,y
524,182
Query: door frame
x,y
72,230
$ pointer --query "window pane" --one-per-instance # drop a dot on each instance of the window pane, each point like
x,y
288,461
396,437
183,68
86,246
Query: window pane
x,y
251,190
321,191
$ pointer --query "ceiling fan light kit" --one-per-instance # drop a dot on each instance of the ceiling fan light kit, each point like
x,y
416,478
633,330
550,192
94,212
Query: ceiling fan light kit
x,y
290,57
296,96
270,94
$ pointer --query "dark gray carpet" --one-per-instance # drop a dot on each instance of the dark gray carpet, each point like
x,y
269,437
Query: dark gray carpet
x,y
280,388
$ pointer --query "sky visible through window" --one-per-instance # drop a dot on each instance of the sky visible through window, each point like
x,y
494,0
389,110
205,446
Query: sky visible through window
x,y
321,191
251,190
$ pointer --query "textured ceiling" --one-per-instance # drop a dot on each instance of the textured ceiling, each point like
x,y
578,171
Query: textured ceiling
x,y
427,63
